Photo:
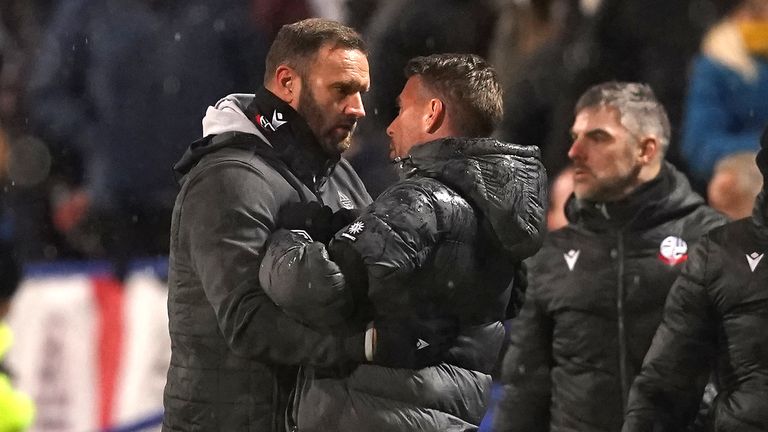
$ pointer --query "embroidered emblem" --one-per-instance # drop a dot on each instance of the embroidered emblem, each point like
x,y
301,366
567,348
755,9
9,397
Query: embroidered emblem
x,y
277,121
571,257
345,201
356,228
421,344
353,230
673,250
754,259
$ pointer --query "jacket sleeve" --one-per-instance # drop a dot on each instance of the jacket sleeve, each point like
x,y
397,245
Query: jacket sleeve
x,y
666,394
394,235
299,277
526,385
228,213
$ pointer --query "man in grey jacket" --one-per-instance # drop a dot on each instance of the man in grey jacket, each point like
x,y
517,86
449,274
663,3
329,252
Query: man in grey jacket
x,y
234,352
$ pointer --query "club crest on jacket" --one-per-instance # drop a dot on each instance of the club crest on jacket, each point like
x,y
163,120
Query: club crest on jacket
x,y
673,250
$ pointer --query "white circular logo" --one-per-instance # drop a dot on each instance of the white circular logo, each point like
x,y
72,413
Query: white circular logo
x,y
673,249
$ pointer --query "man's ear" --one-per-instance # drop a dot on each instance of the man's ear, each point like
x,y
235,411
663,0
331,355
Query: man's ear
x,y
435,116
649,149
286,84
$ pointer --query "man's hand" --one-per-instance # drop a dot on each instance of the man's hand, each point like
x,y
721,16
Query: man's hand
x,y
412,343
298,276
319,221
311,217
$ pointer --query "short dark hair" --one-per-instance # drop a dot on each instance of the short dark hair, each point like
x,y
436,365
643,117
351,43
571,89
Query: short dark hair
x,y
296,44
469,86
639,109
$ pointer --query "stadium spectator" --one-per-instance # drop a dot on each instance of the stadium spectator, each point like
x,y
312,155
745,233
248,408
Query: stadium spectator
x,y
735,185
727,102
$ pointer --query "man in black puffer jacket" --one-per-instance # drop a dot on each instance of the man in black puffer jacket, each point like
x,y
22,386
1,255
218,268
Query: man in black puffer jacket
x,y
715,319
441,243
597,287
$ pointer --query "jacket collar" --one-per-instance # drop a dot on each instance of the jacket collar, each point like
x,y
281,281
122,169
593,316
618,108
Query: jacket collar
x,y
291,138
666,197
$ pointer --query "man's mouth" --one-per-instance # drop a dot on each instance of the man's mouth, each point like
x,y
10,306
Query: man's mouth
x,y
345,127
580,171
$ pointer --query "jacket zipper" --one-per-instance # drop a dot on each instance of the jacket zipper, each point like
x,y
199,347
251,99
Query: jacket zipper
x,y
620,293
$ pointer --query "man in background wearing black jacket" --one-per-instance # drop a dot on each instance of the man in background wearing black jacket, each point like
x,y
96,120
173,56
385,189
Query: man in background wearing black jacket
x,y
715,319
597,287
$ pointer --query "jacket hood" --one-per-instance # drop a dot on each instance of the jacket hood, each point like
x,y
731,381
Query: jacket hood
x,y
506,183
228,115
667,197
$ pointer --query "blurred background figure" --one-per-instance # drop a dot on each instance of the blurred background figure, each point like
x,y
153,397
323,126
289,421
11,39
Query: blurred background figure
x,y
559,192
590,41
117,91
727,103
16,408
734,185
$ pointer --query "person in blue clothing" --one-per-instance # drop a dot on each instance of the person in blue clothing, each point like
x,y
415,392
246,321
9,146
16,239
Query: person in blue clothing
x,y
727,103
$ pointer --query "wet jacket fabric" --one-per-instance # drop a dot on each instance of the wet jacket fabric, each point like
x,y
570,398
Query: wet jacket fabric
x,y
233,350
595,296
442,242
715,318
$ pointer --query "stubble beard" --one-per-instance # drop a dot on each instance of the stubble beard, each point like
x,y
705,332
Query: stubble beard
x,y
613,189
313,114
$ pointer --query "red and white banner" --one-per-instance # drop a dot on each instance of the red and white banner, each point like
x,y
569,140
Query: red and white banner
x,y
91,351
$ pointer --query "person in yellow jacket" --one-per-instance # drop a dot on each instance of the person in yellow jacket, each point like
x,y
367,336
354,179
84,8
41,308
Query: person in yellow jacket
x,y
16,409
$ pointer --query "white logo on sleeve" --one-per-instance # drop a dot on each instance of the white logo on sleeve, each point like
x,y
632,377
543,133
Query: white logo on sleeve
x,y
421,344
353,230
356,228
754,259
571,257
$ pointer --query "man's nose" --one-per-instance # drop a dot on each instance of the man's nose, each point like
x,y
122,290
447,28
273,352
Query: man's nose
x,y
355,106
576,149
390,129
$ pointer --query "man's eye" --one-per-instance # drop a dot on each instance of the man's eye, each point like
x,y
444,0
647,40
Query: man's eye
x,y
343,90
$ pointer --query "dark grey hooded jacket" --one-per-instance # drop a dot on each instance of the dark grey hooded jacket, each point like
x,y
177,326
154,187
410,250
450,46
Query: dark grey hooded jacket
x,y
442,242
233,350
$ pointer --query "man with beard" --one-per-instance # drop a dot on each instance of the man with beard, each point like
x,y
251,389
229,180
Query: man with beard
x,y
442,243
234,352
597,286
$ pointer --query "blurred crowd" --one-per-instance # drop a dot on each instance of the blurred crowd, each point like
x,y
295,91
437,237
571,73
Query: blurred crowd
x,y
98,99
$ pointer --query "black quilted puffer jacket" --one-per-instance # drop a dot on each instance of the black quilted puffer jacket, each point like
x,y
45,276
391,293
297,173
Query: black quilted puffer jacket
x,y
595,295
442,242
715,319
